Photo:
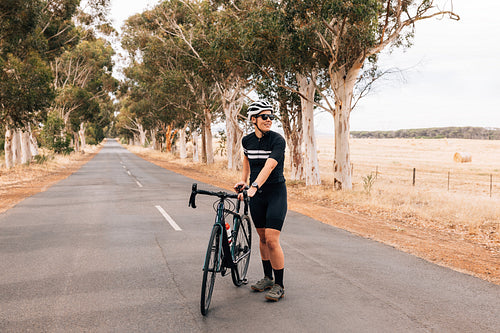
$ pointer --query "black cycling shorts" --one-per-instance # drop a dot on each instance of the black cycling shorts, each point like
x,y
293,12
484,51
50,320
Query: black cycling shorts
x,y
268,206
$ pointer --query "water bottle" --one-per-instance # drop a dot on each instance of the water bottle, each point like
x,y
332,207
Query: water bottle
x,y
228,230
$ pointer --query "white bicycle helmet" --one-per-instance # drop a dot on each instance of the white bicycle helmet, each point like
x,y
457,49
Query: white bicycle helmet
x,y
257,107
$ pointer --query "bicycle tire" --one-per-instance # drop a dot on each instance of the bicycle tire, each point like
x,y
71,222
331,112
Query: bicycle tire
x,y
210,268
241,249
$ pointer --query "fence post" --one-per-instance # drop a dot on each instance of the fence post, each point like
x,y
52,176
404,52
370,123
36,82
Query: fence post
x,y
414,170
491,183
448,181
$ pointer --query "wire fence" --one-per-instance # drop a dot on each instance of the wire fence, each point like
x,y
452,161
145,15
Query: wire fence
x,y
454,181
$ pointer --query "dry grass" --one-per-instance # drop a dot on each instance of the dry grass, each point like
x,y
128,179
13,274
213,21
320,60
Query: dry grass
x,y
467,200
28,172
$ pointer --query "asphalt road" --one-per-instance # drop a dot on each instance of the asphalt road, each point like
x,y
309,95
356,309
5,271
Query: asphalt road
x,y
95,254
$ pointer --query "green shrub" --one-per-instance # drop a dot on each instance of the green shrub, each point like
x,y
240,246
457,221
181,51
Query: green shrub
x,y
61,145
53,137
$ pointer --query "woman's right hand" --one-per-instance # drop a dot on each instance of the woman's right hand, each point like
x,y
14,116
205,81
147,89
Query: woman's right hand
x,y
239,186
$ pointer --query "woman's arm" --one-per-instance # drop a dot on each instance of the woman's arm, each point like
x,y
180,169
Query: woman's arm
x,y
271,163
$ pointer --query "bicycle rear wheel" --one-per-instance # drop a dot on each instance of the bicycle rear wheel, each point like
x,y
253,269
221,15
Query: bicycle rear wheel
x,y
241,249
210,268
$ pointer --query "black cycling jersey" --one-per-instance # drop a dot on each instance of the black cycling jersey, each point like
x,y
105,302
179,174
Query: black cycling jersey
x,y
258,150
269,205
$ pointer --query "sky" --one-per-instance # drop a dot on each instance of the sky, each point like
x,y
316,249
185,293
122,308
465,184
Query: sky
x,y
449,77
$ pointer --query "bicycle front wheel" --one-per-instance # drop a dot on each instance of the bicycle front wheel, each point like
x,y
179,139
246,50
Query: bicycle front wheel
x,y
241,249
210,268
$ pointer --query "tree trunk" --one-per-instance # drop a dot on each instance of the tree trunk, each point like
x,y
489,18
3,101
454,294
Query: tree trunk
x,y
154,141
196,155
296,157
207,124
343,87
182,143
292,128
307,88
9,161
232,101
16,146
25,147
169,137
203,145
81,134
33,143
76,141
234,134
142,135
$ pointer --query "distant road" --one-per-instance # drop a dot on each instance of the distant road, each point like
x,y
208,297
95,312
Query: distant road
x,y
114,247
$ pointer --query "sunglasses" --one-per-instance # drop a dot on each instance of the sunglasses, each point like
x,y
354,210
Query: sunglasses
x,y
266,116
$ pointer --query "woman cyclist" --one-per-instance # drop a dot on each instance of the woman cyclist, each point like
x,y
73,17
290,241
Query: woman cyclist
x,y
264,154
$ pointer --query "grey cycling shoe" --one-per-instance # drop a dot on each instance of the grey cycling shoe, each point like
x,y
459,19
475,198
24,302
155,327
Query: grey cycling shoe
x,y
263,284
276,293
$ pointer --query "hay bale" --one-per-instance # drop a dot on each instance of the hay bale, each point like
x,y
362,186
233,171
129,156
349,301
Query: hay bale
x,y
462,157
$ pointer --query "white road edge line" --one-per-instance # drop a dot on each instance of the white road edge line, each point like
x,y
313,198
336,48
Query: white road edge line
x,y
168,218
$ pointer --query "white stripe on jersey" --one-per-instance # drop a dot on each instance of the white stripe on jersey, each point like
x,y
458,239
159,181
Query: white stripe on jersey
x,y
256,157
257,151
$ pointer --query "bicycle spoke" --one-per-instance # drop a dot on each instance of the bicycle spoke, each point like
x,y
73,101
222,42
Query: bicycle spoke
x,y
241,250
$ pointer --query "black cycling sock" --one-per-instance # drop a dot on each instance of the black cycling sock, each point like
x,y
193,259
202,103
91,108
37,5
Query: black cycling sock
x,y
278,277
268,269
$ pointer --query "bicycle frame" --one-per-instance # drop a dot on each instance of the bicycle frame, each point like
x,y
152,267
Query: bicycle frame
x,y
225,249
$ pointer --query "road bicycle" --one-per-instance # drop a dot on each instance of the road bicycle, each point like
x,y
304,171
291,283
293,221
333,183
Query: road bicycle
x,y
225,251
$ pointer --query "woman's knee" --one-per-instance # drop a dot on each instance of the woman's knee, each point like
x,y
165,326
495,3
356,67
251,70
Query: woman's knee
x,y
272,239
262,235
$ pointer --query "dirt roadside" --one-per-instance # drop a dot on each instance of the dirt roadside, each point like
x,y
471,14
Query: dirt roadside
x,y
466,253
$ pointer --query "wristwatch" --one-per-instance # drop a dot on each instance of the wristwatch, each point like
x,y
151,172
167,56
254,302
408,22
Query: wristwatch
x,y
254,184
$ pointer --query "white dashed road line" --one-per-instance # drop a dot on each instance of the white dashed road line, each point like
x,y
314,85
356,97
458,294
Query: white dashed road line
x,y
168,218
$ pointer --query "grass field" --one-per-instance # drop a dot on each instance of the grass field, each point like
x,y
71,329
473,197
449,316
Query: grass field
x,y
445,192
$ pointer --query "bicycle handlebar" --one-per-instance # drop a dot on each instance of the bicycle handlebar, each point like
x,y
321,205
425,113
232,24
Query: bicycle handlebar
x,y
220,194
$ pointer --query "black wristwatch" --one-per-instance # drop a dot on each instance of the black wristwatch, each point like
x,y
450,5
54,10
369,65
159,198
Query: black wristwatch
x,y
254,184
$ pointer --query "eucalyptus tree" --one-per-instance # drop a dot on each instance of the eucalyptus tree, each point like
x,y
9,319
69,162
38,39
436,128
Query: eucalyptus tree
x,y
279,45
290,115
83,82
163,40
207,34
225,49
33,33
163,73
350,34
